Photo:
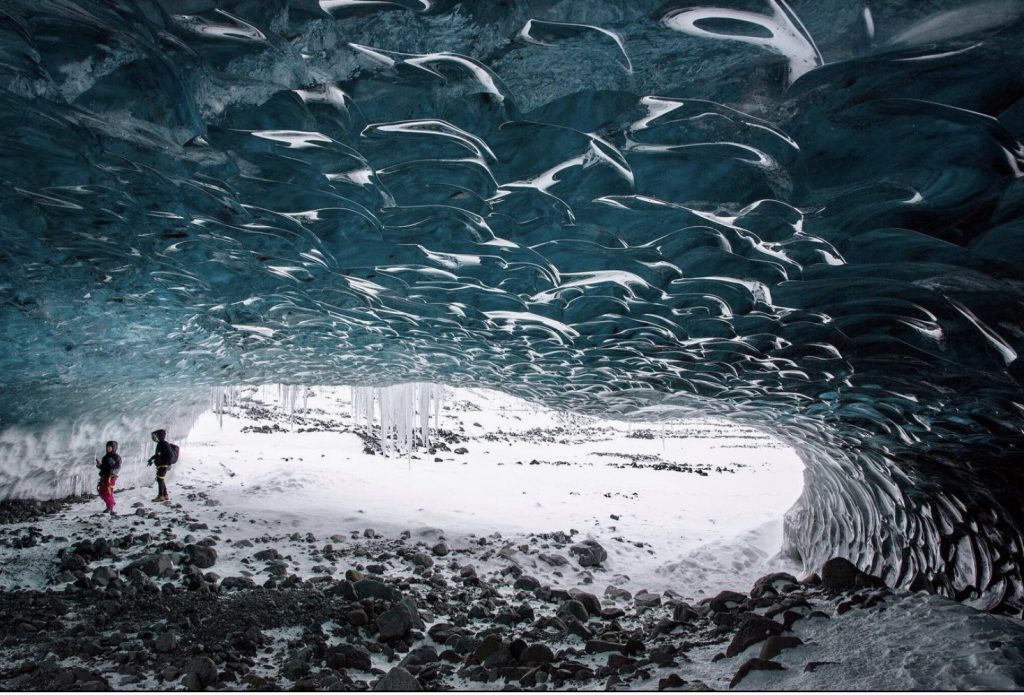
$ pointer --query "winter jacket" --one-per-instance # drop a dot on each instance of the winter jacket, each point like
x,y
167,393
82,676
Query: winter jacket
x,y
110,465
162,456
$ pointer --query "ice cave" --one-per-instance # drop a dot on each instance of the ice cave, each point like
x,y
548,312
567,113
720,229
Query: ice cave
x,y
802,217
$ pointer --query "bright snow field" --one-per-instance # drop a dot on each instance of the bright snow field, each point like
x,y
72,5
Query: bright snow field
x,y
692,507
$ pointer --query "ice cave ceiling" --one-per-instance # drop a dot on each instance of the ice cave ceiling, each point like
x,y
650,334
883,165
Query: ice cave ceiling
x,y
807,217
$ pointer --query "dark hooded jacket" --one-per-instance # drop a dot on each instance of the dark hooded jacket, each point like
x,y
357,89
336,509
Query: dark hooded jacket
x,y
111,462
162,457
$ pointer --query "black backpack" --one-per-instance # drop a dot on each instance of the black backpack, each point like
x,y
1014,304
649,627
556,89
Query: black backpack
x,y
173,449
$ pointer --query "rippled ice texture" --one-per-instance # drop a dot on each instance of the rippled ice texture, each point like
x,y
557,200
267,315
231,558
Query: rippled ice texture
x,y
806,217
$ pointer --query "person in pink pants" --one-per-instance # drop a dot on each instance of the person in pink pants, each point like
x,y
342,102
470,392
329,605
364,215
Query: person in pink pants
x,y
109,468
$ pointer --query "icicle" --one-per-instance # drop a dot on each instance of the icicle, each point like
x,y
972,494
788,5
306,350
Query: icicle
x,y
403,409
425,394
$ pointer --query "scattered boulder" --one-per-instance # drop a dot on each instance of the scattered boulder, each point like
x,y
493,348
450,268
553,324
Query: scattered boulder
x,y
201,556
646,599
573,609
237,583
774,583
398,680
589,553
371,588
157,565
538,654
672,680
727,601
267,555
554,559
421,560
839,574
774,645
589,601
753,629
166,642
684,613
395,622
102,576
440,549
754,664
200,673
295,669
526,583
347,655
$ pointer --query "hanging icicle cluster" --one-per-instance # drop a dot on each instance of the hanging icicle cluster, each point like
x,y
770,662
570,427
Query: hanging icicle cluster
x,y
224,397
403,409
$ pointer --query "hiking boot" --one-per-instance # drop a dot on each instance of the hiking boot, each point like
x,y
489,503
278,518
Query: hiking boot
x,y
158,498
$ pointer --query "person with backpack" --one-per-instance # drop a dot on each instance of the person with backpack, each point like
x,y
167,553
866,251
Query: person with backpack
x,y
165,455
109,467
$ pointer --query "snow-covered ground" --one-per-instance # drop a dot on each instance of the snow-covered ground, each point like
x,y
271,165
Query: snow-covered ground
x,y
527,470
684,511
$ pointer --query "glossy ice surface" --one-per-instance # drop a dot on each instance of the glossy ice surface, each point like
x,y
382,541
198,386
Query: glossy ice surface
x,y
804,217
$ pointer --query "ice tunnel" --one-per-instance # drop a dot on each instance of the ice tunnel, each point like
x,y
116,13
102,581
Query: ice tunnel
x,y
804,217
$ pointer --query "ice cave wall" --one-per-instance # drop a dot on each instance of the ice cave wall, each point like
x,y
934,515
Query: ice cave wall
x,y
804,216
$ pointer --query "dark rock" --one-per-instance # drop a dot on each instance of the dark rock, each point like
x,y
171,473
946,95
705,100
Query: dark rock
x,y
357,618
420,656
526,583
662,656
774,583
620,662
727,601
398,680
596,646
754,664
201,556
200,673
589,601
158,565
346,655
395,622
537,654
684,613
490,645
237,583
814,665
166,642
294,669
102,576
422,560
753,629
839,574
371,588
440,549
574,609
554,559
672,680
774,645
646,599
267,555
589,553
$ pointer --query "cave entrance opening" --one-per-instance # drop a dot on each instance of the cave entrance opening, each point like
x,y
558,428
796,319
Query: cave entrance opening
x,y
692,506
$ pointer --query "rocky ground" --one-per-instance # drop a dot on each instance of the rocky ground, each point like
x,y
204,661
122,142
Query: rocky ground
x,y
219,590
143,610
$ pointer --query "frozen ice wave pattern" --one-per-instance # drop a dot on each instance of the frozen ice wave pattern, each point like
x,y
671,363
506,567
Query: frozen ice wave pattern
x,y
808,222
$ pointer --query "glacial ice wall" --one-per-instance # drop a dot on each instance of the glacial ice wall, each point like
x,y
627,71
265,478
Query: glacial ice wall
x,y
806,217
